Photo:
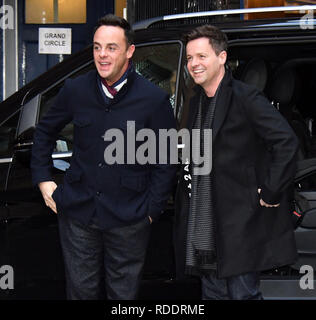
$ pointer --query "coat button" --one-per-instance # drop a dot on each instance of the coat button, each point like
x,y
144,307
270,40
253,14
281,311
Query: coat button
x,y
107,110
98,193
100,165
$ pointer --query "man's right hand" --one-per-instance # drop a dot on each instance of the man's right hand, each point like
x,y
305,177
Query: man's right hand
x,y
47,188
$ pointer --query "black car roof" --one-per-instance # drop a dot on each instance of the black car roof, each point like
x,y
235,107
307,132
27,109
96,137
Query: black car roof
x,y
208,16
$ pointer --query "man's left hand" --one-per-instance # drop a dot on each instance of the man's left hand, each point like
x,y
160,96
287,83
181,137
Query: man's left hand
x,y
264,204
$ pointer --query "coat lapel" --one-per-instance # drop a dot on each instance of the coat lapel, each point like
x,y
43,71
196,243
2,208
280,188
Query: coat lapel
x,y
193,107
222,103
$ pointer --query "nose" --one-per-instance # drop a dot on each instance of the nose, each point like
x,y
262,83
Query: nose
x,y
102,53
194,61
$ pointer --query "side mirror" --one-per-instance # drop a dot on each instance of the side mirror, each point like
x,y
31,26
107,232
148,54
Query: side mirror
x,y
28,120
26,127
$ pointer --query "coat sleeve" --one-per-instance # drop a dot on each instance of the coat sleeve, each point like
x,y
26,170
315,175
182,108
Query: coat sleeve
x,y
162,176
280,140
46,134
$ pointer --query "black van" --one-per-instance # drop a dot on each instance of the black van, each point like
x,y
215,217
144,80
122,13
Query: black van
x,y
276,55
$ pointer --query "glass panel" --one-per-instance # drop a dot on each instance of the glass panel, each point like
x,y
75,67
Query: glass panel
x,y
120,7
55,11
72,11
159,64
39,11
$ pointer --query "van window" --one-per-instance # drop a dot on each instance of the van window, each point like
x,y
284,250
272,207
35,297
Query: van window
x,y
159,64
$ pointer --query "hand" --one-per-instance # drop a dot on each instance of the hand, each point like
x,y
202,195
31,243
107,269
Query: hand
x,y
150,219
264,204
47,188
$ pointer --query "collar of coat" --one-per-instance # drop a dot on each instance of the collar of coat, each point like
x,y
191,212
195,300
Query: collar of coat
x,y
222,103
129,76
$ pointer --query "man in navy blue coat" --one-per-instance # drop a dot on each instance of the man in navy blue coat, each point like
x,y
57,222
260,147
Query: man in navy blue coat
x,y
105,210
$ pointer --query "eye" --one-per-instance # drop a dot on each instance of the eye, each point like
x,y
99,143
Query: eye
x,y
112,49
96,47
189,59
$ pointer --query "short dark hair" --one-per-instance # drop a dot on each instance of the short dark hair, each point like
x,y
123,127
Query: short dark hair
x,y
112,20
217,38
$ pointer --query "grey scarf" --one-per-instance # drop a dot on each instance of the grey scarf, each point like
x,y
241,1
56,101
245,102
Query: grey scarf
x,y
201,246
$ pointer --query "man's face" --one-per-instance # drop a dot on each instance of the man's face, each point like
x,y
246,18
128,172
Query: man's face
x,y
203,63
111,53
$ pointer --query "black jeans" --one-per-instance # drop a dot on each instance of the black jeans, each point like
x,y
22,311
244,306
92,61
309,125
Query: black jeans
x,y
241,287
92,255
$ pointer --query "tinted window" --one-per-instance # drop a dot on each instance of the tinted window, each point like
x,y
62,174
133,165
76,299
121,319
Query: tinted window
x,y
159,64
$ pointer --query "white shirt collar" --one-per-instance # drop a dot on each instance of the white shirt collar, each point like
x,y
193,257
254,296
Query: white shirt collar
x,y
117,88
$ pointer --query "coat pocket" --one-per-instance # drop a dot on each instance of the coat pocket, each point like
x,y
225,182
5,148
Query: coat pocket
x,y
75,193
82,131
133,197
57,197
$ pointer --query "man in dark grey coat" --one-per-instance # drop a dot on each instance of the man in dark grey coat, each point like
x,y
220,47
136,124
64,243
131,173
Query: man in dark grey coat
x,y
235,221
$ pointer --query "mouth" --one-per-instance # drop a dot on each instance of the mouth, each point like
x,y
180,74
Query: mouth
x,y
104,65
198,71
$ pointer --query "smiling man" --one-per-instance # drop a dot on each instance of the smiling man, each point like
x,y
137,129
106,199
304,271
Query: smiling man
x,y
234,222
104,211
111,52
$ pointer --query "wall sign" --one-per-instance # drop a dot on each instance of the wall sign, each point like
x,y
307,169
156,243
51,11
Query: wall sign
x,y
54,40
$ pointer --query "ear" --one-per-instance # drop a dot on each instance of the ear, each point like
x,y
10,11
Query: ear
x,y
130,51
223,57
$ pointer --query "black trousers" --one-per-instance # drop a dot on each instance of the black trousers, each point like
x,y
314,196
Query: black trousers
x,y
241,287
92,255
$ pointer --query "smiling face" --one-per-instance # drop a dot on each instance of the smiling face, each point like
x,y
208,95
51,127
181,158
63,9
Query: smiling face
x,y
111,52
205,67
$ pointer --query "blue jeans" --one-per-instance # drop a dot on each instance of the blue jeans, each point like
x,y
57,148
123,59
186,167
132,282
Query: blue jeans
x,y
241,287
96,258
